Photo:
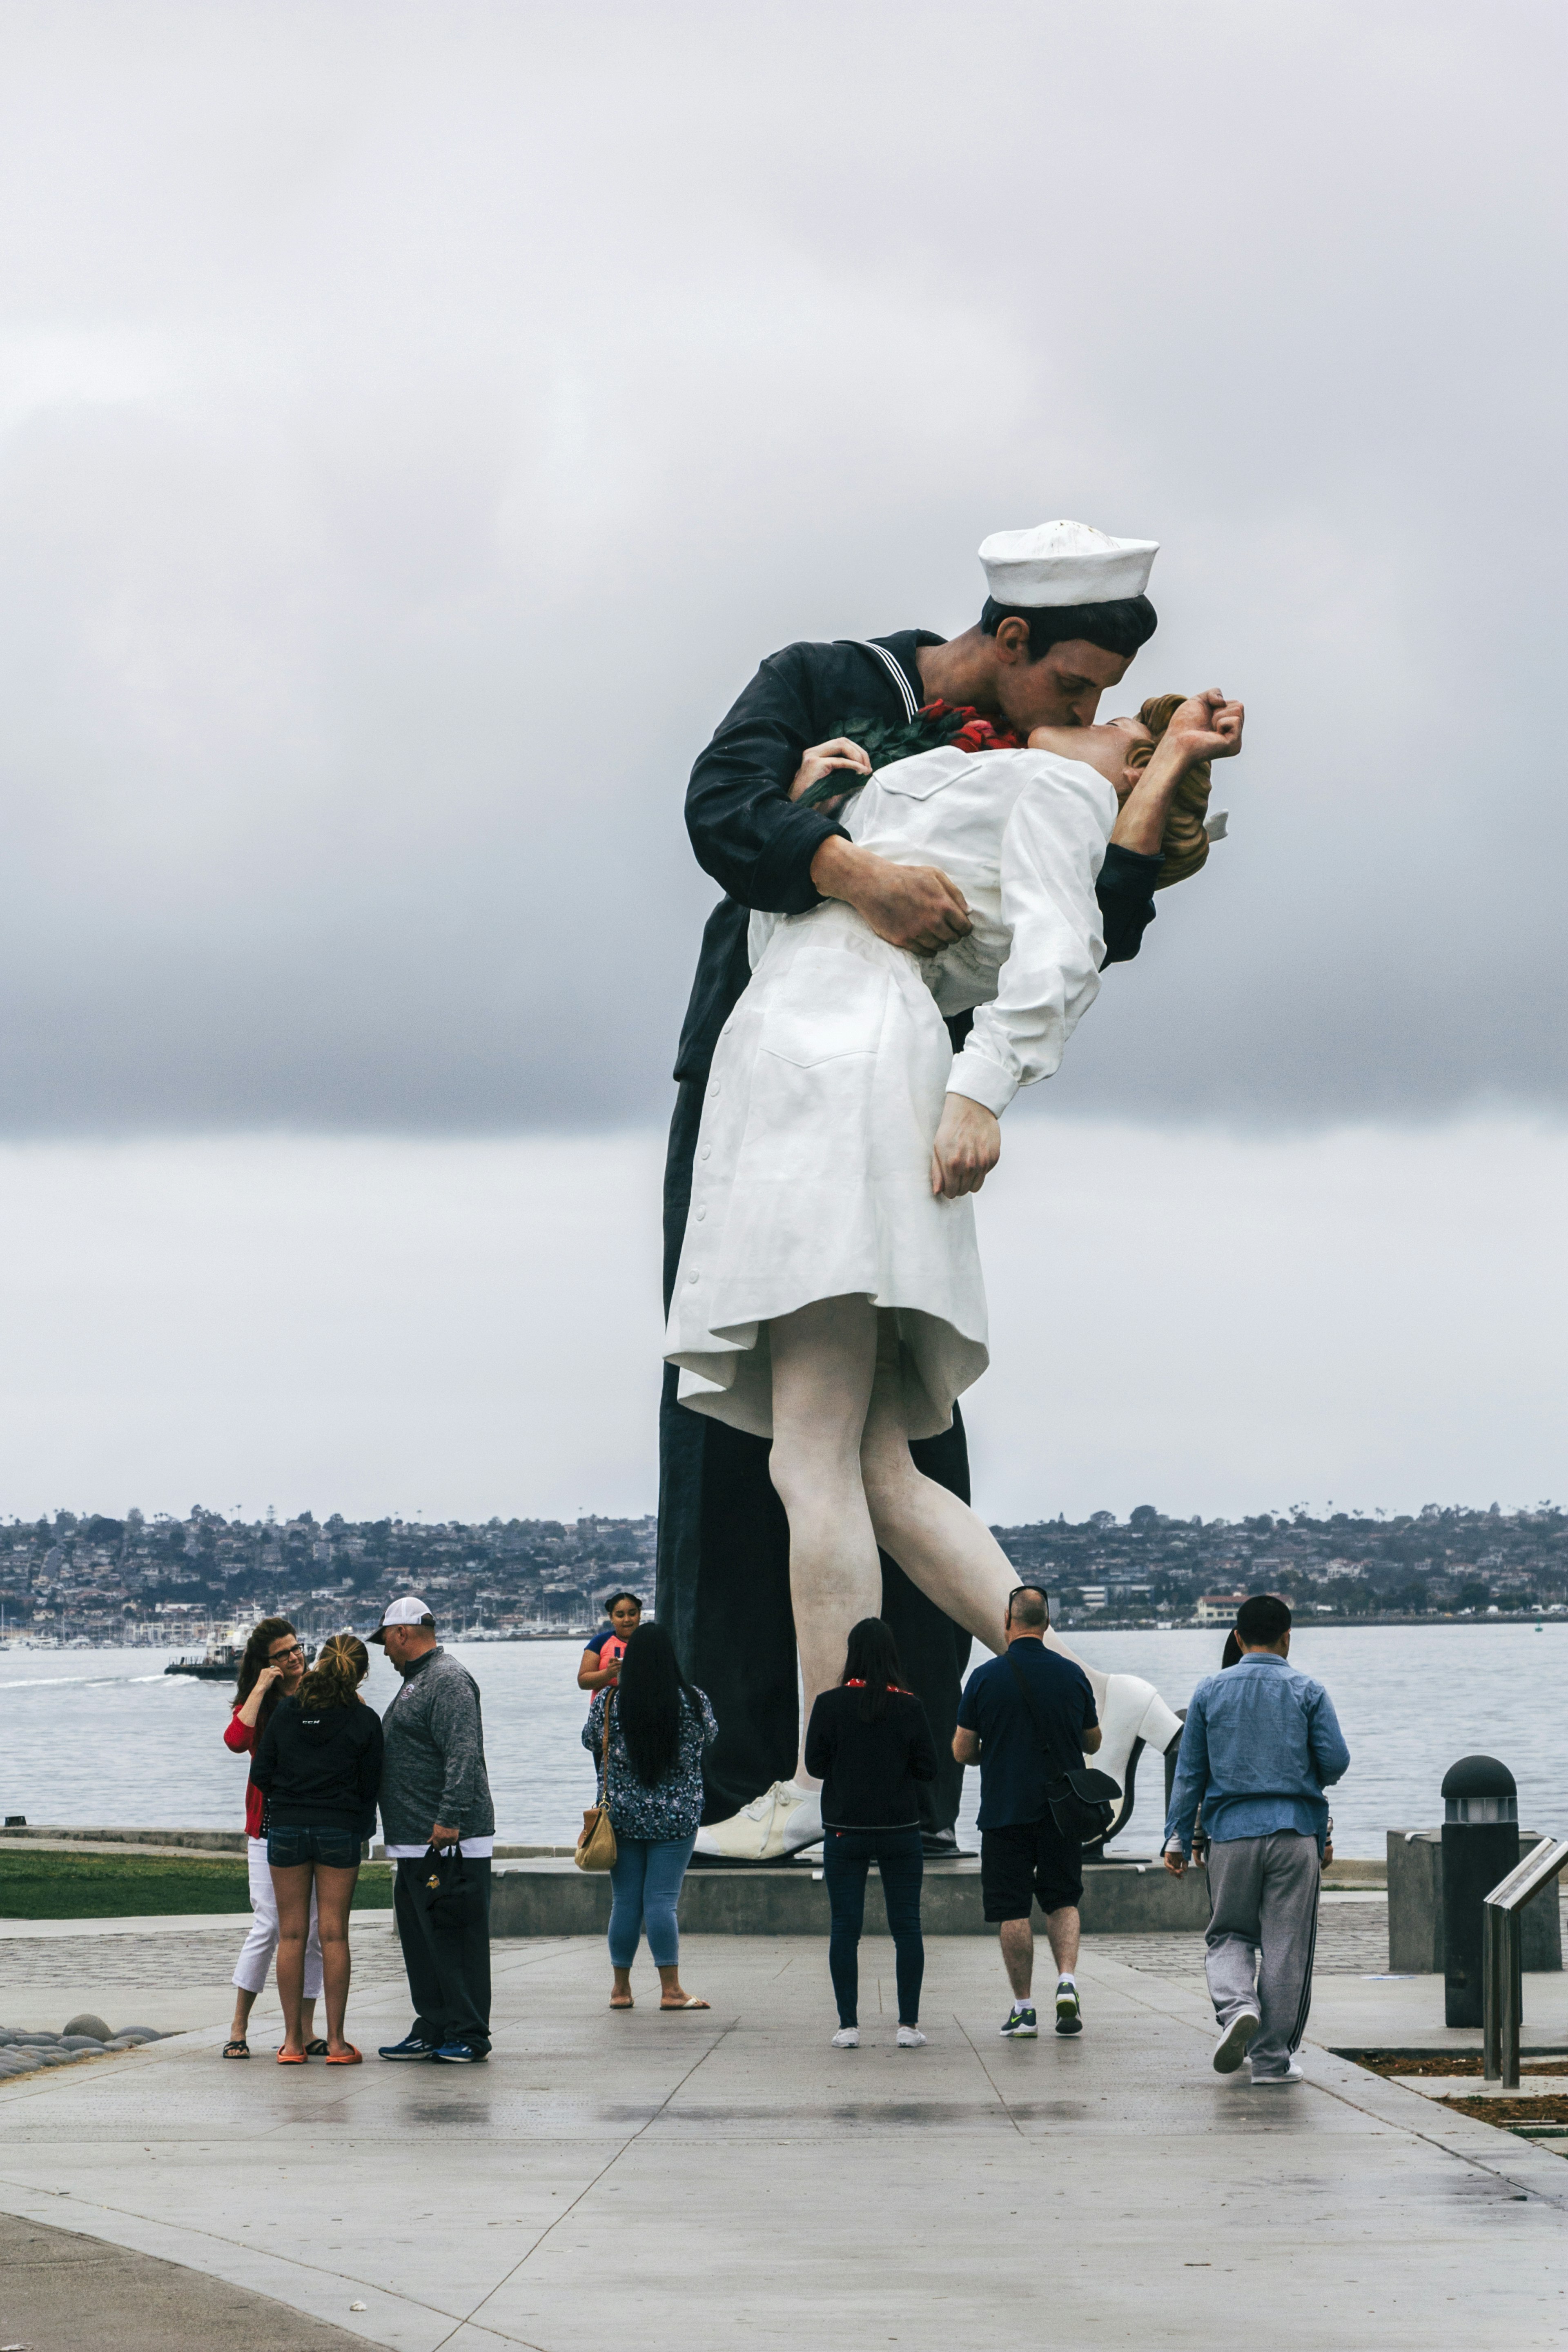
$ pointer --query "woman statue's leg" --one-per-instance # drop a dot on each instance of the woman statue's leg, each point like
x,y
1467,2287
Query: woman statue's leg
x,y
825,1361
939,1542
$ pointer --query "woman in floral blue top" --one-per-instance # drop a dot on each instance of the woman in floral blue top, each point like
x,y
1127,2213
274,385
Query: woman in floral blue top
x,y
660,1726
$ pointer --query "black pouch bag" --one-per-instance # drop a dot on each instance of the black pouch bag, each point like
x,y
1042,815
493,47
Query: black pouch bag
x,y
1082,1801
448,1889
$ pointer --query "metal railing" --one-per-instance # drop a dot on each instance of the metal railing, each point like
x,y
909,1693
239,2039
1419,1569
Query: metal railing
x,y
1502,1984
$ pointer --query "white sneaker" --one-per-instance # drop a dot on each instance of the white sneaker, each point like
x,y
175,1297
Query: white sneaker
x,y
1293,2074
1235,2042
910,2038
848,2038
780,1822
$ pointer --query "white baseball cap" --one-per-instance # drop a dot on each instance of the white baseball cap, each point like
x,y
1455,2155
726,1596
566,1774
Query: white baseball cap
x,y
1065,564
409,1610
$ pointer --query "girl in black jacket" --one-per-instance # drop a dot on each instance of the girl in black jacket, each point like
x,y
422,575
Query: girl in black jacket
x,y
318,1767
868,1742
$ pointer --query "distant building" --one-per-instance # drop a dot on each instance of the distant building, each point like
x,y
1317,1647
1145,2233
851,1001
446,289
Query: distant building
x,y
1218,1608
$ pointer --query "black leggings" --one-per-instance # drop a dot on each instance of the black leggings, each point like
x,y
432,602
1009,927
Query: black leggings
x,y
846,1854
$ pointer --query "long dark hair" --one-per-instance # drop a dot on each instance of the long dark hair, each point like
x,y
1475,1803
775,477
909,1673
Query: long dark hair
x,y
262,1637
873,1658
649,1700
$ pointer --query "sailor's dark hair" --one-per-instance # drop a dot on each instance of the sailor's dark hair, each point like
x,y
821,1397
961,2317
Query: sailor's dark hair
x,y
1120,627
614,1597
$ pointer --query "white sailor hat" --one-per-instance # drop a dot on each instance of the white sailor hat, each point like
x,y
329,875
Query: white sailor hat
x,y
1065,564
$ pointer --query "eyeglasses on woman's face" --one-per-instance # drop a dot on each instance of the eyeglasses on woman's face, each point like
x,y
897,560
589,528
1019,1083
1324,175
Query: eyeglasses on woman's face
x,y
289,1650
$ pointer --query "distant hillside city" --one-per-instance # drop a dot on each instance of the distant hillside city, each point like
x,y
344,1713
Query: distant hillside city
x,y
169,1581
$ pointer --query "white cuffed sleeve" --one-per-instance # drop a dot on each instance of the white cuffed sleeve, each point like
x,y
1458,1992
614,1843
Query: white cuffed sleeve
x,y
1052,851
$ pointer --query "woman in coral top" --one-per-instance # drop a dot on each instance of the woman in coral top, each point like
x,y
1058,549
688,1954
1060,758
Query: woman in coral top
x,y
272,1668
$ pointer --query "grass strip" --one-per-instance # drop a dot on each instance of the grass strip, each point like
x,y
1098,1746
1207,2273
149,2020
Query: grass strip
x,y
113,1887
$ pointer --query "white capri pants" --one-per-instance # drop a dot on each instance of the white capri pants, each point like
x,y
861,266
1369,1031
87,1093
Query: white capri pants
x,y
256,1952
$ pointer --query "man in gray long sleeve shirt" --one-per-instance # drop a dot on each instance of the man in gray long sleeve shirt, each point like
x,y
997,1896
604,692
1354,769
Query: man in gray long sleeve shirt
x,y
434,1793
1260,1744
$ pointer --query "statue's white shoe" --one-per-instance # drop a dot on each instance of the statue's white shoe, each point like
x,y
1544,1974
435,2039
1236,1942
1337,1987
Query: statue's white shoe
x,y
780,1822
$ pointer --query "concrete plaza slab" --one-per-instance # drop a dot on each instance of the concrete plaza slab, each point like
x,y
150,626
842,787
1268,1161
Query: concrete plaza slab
x,y
678,2181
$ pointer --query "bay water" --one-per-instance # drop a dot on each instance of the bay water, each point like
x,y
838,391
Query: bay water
x,y
104,1738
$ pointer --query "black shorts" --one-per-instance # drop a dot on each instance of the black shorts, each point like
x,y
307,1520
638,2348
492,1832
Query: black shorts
x,y
1028,1859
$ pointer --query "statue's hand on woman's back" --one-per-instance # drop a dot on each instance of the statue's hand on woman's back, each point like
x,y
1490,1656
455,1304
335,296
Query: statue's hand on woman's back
x,y
915,907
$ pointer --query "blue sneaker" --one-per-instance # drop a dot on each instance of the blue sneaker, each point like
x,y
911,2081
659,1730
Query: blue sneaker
x,y
1022,2024
413,2045
460,2054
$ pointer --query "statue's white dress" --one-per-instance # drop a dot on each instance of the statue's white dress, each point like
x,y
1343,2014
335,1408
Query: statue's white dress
x,y
812,1178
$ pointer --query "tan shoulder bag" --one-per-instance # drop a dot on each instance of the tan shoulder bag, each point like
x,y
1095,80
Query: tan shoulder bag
x,y
597,1846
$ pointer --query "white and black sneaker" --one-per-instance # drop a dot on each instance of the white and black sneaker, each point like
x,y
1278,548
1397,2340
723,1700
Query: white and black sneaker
x,y
846,2038
1022,2025
1069,2012
1235,2041
910,2038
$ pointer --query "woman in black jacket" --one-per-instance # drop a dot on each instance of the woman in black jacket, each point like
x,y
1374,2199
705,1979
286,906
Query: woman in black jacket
x,y
868,1742
318,1767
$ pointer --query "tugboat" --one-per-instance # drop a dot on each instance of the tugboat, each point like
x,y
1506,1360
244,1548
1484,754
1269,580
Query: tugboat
x,y
219,1662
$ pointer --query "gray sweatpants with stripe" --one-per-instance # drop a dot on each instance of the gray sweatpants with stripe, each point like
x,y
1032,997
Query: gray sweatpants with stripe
x,y
1263,1924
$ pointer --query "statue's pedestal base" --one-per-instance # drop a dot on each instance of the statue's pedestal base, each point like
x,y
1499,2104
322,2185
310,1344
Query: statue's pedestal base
x,y
553,1897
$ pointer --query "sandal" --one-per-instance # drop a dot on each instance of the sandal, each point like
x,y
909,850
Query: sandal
x,y
350,2057
691,2001
238,2048
627,2003
291,2057
317,2048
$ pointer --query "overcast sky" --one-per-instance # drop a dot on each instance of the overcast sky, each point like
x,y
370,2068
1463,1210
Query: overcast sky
x,y
419,421
415,424
1201,1322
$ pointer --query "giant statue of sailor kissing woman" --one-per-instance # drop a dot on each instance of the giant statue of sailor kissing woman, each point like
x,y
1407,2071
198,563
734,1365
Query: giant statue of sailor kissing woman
x,y
828,1296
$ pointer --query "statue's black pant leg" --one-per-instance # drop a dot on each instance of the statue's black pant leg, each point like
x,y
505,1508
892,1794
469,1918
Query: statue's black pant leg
x,y
935,1651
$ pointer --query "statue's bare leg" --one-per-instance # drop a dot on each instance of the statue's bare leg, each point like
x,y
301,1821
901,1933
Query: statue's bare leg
x,y
939,1542
824,1362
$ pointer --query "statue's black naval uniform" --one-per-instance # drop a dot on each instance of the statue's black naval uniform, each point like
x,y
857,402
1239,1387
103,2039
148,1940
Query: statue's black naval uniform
x,y
723,1541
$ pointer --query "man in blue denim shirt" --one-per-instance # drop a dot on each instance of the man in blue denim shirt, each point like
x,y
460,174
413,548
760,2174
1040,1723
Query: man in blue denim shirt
x,y
1260,1744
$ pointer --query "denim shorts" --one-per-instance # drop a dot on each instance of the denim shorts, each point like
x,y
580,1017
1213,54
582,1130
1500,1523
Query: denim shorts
x,y
334,1849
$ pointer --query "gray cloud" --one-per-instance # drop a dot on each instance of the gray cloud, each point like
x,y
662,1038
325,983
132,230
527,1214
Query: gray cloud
x,y
416,424
368,1323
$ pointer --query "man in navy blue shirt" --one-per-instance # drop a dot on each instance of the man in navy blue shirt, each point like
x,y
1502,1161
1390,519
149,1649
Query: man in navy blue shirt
x,y
1027,1718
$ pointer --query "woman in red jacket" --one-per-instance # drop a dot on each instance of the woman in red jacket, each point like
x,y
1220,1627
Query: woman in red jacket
x,y
272,1668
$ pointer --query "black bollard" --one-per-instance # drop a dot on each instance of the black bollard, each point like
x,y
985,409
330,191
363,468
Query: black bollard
x,y
1480,1846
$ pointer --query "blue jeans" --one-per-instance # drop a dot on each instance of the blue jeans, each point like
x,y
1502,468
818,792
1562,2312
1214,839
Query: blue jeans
x,y
846,1856
646,1886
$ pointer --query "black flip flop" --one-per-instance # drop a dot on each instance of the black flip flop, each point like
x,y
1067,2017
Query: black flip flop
x,y
315,2049
238,2048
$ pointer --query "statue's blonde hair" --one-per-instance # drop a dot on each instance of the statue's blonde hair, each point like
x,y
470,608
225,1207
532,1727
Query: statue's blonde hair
x,y
1186,845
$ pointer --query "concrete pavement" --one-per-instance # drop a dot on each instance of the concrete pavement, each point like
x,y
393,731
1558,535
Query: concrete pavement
x,y
672,2182
61,2292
